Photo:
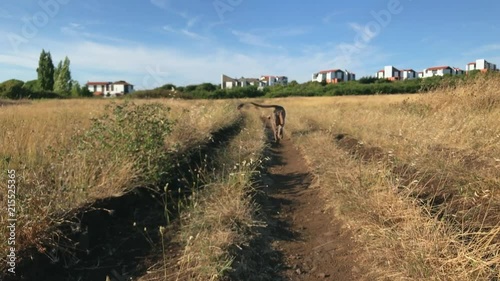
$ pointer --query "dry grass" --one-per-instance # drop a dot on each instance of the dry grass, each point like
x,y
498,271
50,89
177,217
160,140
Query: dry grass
x,y
450,143
218,217
403,241
38,140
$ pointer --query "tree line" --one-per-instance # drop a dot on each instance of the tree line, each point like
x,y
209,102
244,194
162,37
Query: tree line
x,y
52,82
364,86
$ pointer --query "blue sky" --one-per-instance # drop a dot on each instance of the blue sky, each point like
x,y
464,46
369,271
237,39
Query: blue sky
x,y
153,42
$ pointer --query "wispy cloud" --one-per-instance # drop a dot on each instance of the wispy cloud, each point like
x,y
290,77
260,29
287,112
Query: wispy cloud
x,y
185,32
163,4
483,49
26,61
253,39
264,37
366,34
329,18
190,20
80,30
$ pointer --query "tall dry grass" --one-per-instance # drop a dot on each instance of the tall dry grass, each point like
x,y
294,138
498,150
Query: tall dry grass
x,y
402,239
449,140
43,142
217,217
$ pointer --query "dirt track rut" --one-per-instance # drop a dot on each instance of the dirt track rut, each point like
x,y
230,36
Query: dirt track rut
x,y
319,248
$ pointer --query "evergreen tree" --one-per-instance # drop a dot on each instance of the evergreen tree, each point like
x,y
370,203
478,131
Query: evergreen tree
x,y
45,71
58,87
62,78
65,76
75,89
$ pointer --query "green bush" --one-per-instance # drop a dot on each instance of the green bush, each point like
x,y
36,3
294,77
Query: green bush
x,y
32,85
136,132
16,89
13,89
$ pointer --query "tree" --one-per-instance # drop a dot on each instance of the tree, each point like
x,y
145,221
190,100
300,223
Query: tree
x,y
367,80
45,71
168,86
75,89
57,82
209,87
62,77
32,85
85,92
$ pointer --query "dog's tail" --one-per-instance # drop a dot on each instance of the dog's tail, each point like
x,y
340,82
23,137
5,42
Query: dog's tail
x,y
265,105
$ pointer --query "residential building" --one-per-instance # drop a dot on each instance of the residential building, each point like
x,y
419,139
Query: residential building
x,y
408,74
333,76
270,80
438,71
110,89
228,82
389,72
457,71
481,65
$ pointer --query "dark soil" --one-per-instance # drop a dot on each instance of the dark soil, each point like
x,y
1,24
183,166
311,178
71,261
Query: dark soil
x,y
302,240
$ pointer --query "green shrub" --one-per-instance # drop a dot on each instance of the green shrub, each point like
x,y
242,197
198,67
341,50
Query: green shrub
x,y
136,132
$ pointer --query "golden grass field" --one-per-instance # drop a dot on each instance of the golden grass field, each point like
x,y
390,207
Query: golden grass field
x,y
53,179
449,138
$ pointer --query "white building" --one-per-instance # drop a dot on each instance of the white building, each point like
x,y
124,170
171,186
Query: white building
x,y
264,81
437,71
270,80
389,72
110,89
481,65
333,76
228,82
408,74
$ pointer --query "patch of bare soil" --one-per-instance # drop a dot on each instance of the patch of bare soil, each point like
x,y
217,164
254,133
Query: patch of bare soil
x,y
303,240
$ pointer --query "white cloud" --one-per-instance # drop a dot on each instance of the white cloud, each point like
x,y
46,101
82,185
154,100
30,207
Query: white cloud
x,y
185,32
329,18
26,61
163,4
253,39
169,28
483,49
147,66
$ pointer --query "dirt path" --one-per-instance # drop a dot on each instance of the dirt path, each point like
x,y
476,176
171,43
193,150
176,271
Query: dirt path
x,y
312,244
